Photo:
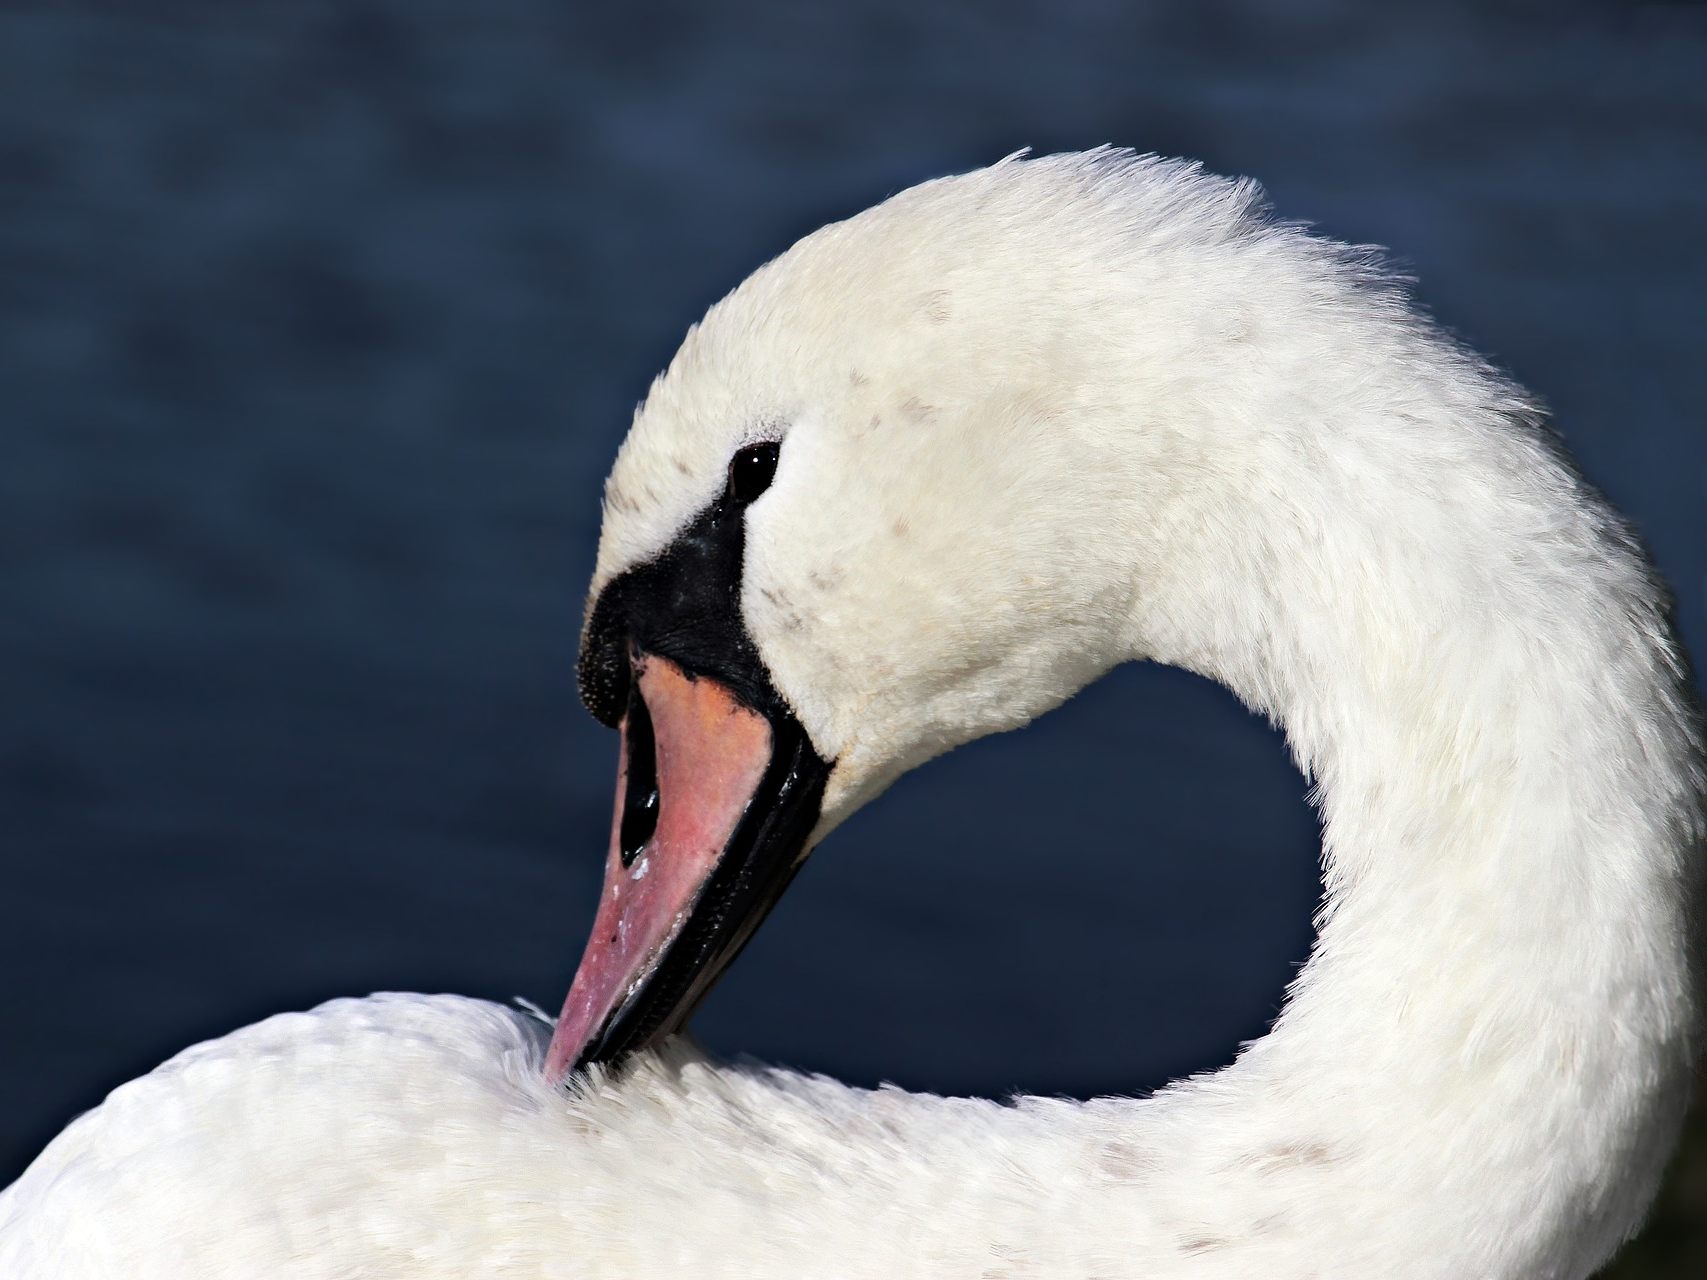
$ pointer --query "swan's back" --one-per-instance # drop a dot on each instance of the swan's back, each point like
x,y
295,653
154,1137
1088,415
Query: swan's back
x,y
413,1135
331,1143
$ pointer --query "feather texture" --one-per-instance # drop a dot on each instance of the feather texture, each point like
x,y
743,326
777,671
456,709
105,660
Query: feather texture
x,y
1035,421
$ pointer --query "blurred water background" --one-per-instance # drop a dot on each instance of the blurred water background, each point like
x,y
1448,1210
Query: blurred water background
x,y
320,323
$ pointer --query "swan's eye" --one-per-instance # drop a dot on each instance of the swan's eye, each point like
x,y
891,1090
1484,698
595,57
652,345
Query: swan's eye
x,y
751,471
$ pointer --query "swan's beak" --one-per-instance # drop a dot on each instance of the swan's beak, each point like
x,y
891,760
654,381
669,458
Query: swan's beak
x,y
715,802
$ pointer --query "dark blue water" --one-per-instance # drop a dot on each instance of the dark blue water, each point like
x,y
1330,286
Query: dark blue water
x,y
320,322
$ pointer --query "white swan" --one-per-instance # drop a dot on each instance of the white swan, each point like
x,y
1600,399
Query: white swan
x,y
920,479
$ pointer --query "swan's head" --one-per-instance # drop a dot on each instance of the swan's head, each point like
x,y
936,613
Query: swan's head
x,y
882,502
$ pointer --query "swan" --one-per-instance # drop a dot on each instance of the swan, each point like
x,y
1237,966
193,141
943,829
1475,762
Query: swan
x,y
920,479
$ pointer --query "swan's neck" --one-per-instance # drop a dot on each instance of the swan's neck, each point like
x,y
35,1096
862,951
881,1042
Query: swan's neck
x,y
1227,450
1480,1069
1491,1043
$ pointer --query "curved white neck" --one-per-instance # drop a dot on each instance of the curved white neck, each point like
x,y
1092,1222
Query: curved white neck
x,y
1177,432
1490,1045
1480,1069
1368,537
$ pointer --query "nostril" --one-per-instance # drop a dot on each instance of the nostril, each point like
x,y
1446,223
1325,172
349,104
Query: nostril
x,y
640,797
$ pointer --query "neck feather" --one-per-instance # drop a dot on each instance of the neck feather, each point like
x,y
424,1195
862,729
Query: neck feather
x,y
1480,1070
1370,538
1490,1047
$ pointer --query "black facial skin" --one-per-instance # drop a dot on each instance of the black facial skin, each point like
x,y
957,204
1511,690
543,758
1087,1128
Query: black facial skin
x,y
685,605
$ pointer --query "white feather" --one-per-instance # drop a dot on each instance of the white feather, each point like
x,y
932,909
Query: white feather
x,y
1037,420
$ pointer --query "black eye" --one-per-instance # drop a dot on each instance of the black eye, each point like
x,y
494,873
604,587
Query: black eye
x,y
751,471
